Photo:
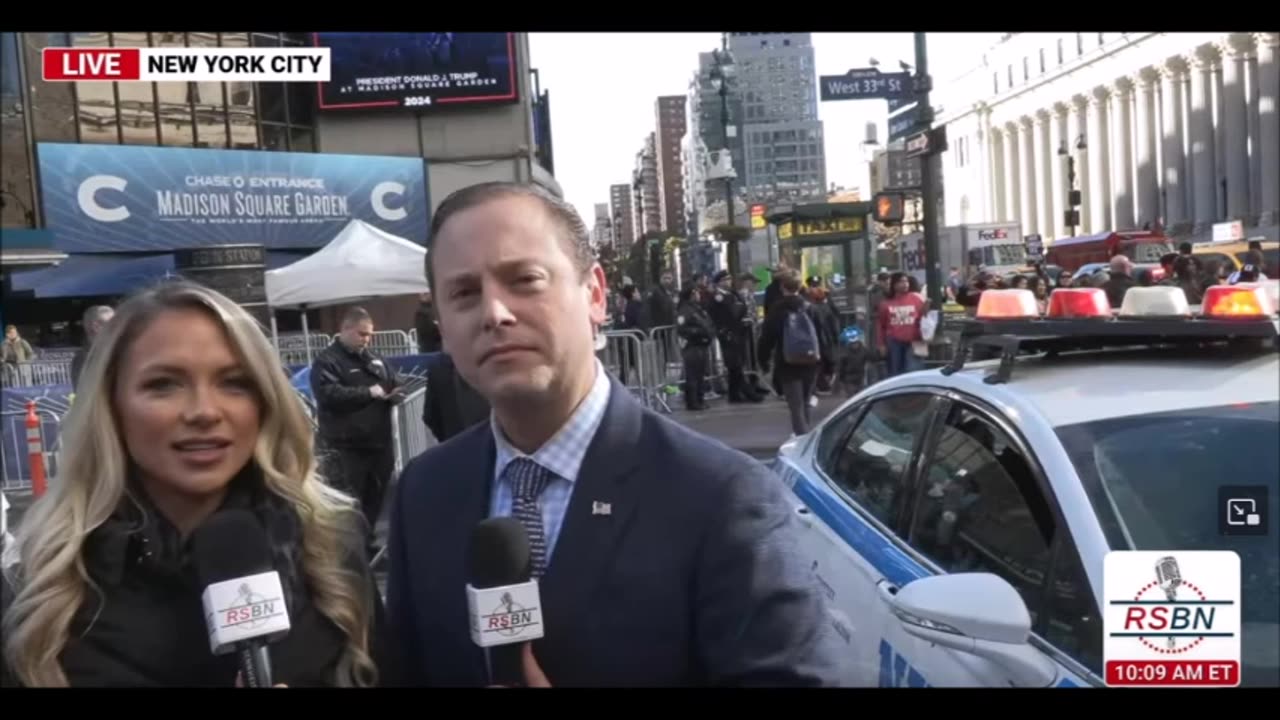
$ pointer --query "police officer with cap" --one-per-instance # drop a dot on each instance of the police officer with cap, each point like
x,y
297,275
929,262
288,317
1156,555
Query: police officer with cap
x,y
695,329
729,314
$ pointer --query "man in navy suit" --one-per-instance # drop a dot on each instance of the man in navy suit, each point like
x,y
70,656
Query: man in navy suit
x,y
663,557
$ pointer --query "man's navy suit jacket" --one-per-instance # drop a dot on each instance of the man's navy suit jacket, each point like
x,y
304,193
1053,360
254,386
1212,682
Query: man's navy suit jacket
x,y
694,577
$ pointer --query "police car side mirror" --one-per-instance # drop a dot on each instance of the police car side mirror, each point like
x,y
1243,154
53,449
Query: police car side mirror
x,y
977,613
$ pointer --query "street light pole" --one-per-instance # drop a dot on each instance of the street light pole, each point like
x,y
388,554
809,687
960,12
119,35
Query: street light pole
x,y
733,256
930,169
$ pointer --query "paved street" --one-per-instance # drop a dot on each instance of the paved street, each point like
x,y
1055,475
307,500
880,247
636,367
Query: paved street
x,y
756,429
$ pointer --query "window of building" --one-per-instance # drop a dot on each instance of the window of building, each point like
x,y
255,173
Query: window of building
x,y
173,100
96,101
1079,44
53,104
1010,68
241,104
209,101
15,156
1062,53
995,83
1043,69
1026,69
137,101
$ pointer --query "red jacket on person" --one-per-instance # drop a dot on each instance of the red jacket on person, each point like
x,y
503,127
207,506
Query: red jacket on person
x,y
899,318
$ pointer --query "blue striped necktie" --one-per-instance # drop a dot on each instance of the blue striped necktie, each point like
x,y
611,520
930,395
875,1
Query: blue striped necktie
x,y
528,479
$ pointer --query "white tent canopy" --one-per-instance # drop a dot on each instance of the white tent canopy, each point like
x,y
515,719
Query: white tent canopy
x,y
361,262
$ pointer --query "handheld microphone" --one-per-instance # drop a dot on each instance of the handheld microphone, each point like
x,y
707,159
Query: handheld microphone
x,y
502,601
244,605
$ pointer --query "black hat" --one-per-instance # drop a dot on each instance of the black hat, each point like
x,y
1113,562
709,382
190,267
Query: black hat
x,y
720,276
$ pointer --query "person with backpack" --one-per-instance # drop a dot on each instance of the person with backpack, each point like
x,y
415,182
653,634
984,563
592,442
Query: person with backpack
x,y
898,325
789,343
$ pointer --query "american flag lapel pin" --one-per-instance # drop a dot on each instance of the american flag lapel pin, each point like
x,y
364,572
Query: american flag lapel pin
x,y
601,508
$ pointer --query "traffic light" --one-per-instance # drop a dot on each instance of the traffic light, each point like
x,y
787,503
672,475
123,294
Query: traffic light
x,y
888,207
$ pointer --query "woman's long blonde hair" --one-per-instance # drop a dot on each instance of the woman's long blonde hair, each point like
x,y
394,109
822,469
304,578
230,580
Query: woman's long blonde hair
x,y
52,582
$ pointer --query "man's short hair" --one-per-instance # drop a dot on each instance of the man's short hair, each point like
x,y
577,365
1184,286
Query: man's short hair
x,y
1121,264
789,280
354,316
575,238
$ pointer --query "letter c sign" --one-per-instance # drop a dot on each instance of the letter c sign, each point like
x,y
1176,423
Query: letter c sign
x,y
88,200
377,197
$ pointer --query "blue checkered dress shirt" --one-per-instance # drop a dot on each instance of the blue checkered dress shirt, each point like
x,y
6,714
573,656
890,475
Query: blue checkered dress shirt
x,y
562,455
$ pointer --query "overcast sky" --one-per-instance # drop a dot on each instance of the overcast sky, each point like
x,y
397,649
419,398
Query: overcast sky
x,y
603,87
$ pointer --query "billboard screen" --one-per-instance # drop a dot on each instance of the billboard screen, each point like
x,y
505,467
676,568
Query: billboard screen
x,y
417,70
125,198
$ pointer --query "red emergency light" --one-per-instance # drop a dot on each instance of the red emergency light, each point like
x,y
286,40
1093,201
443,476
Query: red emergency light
x,y
1079,303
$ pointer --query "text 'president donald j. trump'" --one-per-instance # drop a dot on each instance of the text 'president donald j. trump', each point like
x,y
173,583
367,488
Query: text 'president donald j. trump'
x,y
663,557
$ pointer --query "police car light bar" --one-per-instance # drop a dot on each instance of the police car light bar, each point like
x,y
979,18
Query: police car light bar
x,y
1079,303
1151,302
1151,318
1007,305
1247,301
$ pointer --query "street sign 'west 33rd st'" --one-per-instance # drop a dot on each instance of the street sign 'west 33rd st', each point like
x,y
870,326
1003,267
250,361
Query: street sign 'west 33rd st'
x,y
867,84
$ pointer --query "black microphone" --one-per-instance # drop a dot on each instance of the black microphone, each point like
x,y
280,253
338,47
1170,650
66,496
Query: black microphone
x,y
502,601
244,604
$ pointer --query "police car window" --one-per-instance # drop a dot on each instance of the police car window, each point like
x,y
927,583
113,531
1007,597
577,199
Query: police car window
x,y
979,508
1074,624
831,441
872,466
1153,482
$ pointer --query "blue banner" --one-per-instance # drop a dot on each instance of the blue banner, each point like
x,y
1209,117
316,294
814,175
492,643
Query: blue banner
x,y
123,198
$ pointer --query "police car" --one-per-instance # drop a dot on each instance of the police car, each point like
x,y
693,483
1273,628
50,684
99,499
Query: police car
x,y
957,518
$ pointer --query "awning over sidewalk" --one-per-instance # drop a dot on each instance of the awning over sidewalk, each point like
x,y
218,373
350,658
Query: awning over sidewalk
x,y
110,274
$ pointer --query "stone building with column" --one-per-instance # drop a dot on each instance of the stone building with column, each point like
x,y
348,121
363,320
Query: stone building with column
x,y
1156,130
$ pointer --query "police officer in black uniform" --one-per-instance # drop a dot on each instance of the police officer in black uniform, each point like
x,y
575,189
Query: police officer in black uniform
x,y
729,314
354,390
695,329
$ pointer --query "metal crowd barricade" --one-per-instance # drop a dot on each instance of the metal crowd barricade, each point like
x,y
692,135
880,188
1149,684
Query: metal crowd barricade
x,y
667,356
393,343
409,434
292,347
14,457
625,355
41,372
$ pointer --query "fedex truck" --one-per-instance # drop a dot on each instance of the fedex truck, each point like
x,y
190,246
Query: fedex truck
x,y
995,247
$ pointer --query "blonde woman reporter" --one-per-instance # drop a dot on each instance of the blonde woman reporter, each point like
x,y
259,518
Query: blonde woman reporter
x,y
183,410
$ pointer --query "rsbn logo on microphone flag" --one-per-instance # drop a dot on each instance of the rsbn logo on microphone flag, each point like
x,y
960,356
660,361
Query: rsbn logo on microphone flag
x,y
245,609
1172,618
505,614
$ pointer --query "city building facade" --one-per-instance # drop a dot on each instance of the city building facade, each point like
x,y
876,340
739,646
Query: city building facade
x,y
646,194
672,125
602,229
1172,131
784,158
620,211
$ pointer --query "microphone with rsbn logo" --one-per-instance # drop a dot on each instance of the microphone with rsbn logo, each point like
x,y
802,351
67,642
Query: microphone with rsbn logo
x,y
503,602
244,604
